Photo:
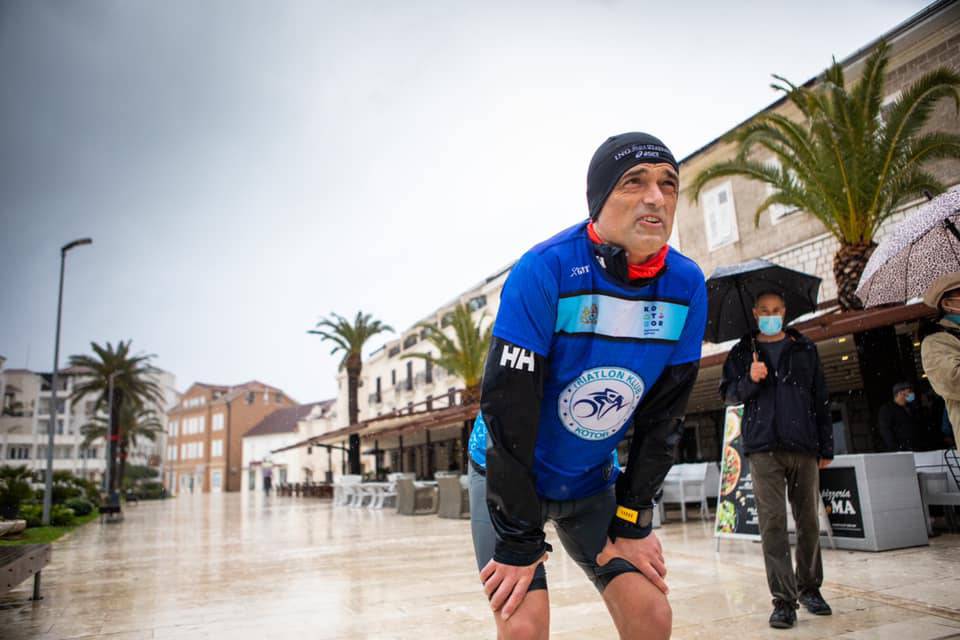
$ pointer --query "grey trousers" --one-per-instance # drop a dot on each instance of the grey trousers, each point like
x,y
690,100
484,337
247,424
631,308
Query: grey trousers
x,y
777,477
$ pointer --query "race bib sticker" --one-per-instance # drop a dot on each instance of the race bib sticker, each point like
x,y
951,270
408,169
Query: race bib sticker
x,y
599,402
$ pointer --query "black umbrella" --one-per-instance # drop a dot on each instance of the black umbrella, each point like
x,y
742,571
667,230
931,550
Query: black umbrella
x,y
731,292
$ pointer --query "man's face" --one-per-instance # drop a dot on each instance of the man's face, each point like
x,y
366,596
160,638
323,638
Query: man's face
x,y
769,305
638,215
903,394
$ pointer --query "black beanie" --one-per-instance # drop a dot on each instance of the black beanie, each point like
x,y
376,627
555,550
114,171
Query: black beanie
x,y
614,157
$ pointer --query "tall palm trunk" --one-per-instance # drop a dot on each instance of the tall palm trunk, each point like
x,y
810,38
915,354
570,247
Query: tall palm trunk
x,y
471,395
848,265
112,441
354,366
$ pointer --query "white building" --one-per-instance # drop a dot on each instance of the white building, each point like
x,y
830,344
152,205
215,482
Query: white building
x,y
281,429
26,418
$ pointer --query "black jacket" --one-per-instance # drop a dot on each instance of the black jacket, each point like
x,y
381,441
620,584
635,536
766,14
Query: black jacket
x,y
790,409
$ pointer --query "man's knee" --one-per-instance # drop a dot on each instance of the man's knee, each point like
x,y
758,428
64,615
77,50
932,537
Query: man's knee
x,y
639,608
524,627
654,622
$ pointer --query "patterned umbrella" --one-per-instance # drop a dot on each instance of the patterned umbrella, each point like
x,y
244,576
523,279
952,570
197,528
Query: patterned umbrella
x,y
925,246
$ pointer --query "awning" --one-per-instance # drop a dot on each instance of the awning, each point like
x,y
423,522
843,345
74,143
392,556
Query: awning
x,y
836,323
393,425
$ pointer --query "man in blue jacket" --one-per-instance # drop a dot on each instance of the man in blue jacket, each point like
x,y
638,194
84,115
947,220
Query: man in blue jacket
x,y
599,329
788,438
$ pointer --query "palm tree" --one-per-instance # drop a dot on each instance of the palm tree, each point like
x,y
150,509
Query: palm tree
x,y
349,338
134,422
850,163
463,354
131,387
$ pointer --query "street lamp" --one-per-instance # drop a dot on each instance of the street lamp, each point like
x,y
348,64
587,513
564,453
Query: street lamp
x,y
48,489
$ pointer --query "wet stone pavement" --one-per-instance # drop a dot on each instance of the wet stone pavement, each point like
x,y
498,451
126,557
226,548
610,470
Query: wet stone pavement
x,y
238,567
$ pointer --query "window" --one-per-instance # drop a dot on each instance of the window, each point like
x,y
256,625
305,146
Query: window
x,y
201,424
447,319
172,428
216,480
18,452
393,351
217,422
199,449
720,216
183,452
172,452
428,378
409,341
409,384
216,448
278,397
478,302
393,377
251,397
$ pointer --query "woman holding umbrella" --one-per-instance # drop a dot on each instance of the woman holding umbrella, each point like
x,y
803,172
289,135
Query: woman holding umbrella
x,y
940,349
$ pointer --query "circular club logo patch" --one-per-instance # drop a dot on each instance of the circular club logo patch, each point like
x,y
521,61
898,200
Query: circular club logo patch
x,y
599,402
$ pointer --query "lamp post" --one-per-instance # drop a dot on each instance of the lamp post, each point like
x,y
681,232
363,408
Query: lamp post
x,y
48,488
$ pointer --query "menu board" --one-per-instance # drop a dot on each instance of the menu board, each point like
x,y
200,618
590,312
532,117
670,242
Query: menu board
x,y
736,505
841,497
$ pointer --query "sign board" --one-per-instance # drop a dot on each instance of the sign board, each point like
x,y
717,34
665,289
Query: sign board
x,y
841,498
736,504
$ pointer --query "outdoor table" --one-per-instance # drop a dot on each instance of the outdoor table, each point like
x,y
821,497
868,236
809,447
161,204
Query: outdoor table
x,y
873,501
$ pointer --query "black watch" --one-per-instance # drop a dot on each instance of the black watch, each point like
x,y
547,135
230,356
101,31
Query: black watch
x,y
642,517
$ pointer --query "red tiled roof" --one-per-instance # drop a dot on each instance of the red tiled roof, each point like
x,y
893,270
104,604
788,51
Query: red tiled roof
x,y
285,420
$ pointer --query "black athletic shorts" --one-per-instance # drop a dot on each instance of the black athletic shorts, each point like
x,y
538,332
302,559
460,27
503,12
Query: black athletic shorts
x,y
580,524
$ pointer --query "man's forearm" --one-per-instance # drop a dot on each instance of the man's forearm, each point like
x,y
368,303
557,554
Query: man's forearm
x,y
510,403
658,426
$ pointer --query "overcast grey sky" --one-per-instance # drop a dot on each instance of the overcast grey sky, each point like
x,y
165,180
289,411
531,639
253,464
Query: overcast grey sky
x,y
247,167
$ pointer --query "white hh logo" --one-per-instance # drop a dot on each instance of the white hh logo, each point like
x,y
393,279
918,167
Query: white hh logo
x,y
516,357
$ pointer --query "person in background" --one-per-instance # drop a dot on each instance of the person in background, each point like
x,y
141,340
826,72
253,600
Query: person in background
x,y
940,350
897,420
788,436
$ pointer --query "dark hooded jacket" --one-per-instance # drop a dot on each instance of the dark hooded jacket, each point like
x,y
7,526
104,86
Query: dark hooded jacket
x,y
790,409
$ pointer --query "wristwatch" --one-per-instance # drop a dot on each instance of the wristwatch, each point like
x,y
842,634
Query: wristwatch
x,y
642,517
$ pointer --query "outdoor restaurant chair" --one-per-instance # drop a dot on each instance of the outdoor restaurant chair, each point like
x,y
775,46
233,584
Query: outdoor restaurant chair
x,y
454,497
938,474
686,483
416,498
343,489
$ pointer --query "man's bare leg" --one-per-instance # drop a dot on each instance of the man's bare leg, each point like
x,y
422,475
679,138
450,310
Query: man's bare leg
x,y
639,609
531,620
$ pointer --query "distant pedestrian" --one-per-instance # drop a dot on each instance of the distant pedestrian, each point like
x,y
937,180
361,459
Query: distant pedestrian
x,y
267,480
788,436
898,421
940,350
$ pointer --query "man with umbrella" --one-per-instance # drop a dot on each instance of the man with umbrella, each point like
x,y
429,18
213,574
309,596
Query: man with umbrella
x,y
788,436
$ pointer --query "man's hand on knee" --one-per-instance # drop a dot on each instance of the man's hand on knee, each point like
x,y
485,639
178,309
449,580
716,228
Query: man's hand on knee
x,y
645,554
507,584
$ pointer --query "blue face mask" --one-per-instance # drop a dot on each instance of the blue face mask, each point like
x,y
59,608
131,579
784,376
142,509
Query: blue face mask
x,y
770,325
911,397
953,317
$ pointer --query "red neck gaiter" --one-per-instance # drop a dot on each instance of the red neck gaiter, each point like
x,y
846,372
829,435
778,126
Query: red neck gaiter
x,y
646,269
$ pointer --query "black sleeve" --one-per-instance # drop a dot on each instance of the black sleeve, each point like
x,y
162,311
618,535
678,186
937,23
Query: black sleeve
x,y
657,427
510,402
736,387
821,410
